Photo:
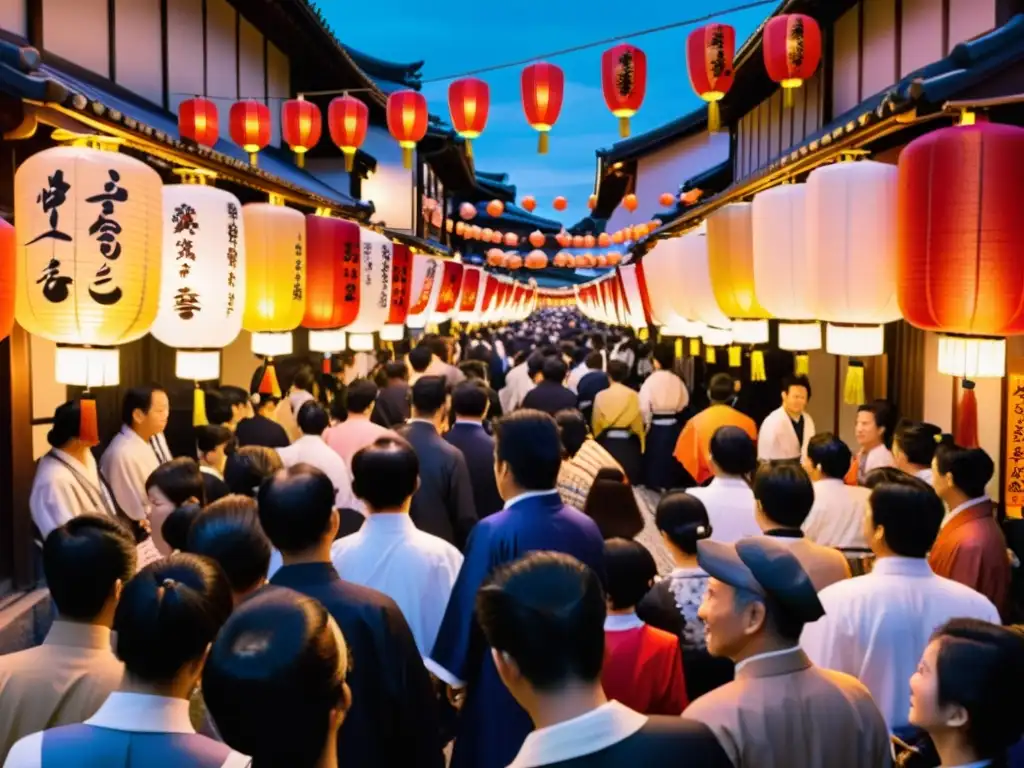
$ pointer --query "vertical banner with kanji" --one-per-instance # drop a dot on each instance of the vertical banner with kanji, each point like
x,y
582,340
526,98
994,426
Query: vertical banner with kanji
x,y
1013,476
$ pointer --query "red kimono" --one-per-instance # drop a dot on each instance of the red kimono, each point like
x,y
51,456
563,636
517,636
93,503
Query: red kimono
x,y
971,549
643,669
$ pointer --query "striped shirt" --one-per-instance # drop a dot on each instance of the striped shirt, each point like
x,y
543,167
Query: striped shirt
x,y
577,474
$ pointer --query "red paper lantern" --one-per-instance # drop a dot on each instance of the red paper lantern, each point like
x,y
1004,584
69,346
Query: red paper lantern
x,y
469,101
624,82
250,126
529,203
543,85
629,202
495,208
407,121
537,238
560,203
536,260
451,282
592,202
347,121
197,121
332,273
792,50
301,125
709,60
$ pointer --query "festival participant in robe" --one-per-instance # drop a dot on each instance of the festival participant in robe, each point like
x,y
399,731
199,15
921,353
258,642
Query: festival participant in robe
x,y
729,498
781,711
837,517
582,458
874,433
212,443
393,720
643,666
692,448
970,547
542,616
311,449
595,380
785,495
913,448
169,486
470,403
491,725
302,390
785,432
137,450
663,398
67,482
877,626
521,380
550,395
618,423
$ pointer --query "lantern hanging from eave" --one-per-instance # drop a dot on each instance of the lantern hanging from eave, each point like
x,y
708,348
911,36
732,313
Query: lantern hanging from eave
x,y
536,260
784,273
495,208
730,239
407,121
511,239
692,259
250,126
197,121
543,85
275,284
469,292
792,50
347,122
513,261
425,288
624,82
661,282
401,283
332,282
88,226
469,101
851,239
301,125
959,271
709,61
202,283
376,260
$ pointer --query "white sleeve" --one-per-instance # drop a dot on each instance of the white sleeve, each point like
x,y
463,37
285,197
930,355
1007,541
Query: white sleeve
x,y
646,408
27,752
765,438
51,506
127,482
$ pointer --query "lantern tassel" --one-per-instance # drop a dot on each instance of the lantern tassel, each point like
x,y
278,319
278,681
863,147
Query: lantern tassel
x,y
787,97
268,384
714,117
300,159
710,356
88,422
199,407
326,365
542,143
853,394
735,356
407,158
350,159
966,431
254,159
679,349
624,127
802,365
694,347
757,372
469,148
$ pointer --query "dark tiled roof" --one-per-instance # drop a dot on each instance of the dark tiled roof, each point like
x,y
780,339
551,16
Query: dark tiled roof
x,y
496,186
645,143
426,245
388,74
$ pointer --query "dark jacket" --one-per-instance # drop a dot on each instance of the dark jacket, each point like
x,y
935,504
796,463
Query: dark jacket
x,y
393,720
443,504
392,406
549,397
478,450
259,430
591,383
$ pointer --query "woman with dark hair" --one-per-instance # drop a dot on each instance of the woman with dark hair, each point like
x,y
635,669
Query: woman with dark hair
x,y
971,547
275,681
876,422
303,389
166,619
729,498
249,466
672,603
913,447
612,505
964,694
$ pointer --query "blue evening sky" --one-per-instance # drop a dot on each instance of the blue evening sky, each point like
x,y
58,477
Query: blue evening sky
x,y
455,37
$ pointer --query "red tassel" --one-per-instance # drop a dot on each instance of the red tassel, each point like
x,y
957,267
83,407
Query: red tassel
x,y
269,385
88,422
326,365
966,432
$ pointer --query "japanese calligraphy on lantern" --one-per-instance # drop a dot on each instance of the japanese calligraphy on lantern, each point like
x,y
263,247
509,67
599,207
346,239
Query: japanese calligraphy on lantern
x,y
375,289
424,290
400,277
384,298
451,282
1013,474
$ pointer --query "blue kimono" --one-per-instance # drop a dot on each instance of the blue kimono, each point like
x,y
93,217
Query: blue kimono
x,y
492,726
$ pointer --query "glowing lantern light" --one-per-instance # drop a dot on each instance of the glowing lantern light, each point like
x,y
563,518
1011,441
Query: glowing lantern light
x,y
537,238
89,230
560,203
407,121
401,277
592,202
639,231
301,125
629,202
542,85
495,257
529,203
581,261
347,121
604,240
451,284
496,237
425,289
559,259
475,232
467,211
709,62
589,241
197,121
486,234
792,50
495,208
536,260
624,82
460,228
614,257
513,261
377,264
617,237
250,126
332,282
666,199
511,239
470,295
602,260
851,238
469,101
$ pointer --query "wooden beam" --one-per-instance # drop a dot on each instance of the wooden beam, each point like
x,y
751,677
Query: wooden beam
x,y
16,461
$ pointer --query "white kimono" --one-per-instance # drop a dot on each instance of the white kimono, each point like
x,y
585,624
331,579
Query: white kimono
x,y
64,488
127,464
776,440
662,393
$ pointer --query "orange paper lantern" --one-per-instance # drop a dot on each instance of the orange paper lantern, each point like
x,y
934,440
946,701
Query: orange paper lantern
x,y
602,260
495,257
604,240
495,208
513,261
666,199
592,202
529,203
407,121
617,237
536,260
511,239
347,121
614,257
301,125
537,238
629,202
560,203
589,241
542,85
467,211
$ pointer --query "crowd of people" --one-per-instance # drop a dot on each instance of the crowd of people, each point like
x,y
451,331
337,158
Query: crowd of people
x,y
438,557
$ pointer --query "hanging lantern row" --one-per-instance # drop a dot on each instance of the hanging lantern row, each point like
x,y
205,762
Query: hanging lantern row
x,y
537,259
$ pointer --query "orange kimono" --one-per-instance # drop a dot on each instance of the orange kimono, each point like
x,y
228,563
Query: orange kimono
x,y
694,441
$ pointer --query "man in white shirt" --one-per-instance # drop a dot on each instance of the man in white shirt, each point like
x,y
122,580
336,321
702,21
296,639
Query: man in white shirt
x,y
663,393
520,381
837,517
389,553
729,498
311,449
137,449
785,432
877,626
579,370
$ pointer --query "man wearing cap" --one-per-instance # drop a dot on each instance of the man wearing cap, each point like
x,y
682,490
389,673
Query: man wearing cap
x,y
781,711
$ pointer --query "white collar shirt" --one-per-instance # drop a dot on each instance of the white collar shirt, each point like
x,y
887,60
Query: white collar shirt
x,y
837,517
127,464
63,488
777,439
731,508
126,712
412,567
877,626
312,450
598,729
577,373
662,393
528,495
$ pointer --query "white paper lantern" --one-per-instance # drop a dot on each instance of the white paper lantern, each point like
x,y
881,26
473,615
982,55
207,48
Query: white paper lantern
x,y
634,309
375,260
693,262
88,229
851,240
